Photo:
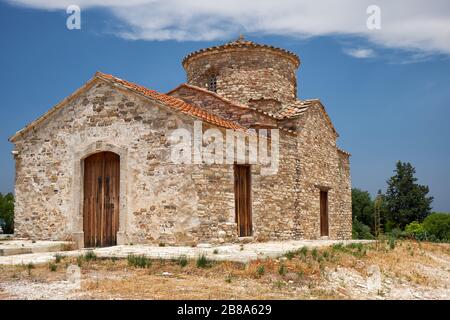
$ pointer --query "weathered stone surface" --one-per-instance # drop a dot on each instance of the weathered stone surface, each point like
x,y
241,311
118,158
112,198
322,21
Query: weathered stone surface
x,y
245,74
162,202
322,167
223,107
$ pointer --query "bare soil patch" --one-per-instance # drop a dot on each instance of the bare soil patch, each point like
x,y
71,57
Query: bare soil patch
x,y
409,270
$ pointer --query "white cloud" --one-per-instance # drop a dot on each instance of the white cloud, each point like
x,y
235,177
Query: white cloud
x,y
360,53
416,25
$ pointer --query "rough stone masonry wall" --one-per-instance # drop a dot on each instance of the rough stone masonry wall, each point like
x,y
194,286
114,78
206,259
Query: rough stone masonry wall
x,y
344,220
275,207
322,166
246,73
174,204
296,185
245,116
274,211
166,202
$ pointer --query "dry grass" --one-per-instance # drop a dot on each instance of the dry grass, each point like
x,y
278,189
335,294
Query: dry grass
x,y
300,275
38,273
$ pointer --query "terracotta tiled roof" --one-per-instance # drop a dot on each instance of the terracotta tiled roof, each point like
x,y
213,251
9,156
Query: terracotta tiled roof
x,y
243,43
208,92
299,107
174,103
288,111
229,102
294,109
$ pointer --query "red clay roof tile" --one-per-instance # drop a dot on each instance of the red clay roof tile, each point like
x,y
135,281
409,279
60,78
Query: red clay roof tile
x,y
174,103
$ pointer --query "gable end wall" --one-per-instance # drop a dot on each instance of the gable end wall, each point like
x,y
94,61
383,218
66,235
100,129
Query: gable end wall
x,y
173,204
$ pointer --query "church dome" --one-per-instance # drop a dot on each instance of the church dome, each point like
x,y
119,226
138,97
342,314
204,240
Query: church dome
x,y
245,71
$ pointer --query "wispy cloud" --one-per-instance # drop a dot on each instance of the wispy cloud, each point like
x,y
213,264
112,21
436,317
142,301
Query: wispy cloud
x,y
360,53
413,25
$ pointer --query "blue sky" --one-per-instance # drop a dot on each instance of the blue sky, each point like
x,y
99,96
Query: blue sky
x,y
392,105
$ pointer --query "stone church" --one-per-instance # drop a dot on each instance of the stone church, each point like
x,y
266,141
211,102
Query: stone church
x,y
96,168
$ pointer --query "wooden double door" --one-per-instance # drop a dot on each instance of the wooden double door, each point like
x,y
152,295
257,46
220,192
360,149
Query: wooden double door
x,y
101,199
242,196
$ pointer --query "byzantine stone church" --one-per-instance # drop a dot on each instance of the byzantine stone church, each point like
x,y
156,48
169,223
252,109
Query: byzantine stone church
x,y
96,169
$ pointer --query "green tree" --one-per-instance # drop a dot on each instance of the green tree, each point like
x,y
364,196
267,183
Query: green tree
x,y
405,199
437,225
362,207
7,212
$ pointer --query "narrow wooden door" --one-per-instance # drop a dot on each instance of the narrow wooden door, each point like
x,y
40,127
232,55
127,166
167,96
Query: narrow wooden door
x,y
242,195
101,199
323,213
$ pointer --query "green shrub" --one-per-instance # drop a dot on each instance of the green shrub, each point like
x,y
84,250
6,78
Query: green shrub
x,y
90,255
182,261
397,233
392,243
437,226
290,255
361,231
338,247
139,261
216,251
389,226
79,261
59,257
356,245
304,251
415,230
30,266
314,253
203,262
282,270
7,213
52,266
260,270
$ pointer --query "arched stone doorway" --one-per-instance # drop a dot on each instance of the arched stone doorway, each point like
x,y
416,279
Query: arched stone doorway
x,y
101,200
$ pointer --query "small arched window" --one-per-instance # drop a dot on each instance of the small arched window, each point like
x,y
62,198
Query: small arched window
x,y
212,83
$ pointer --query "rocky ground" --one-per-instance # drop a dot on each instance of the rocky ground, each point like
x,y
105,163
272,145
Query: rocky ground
x,y
383,270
